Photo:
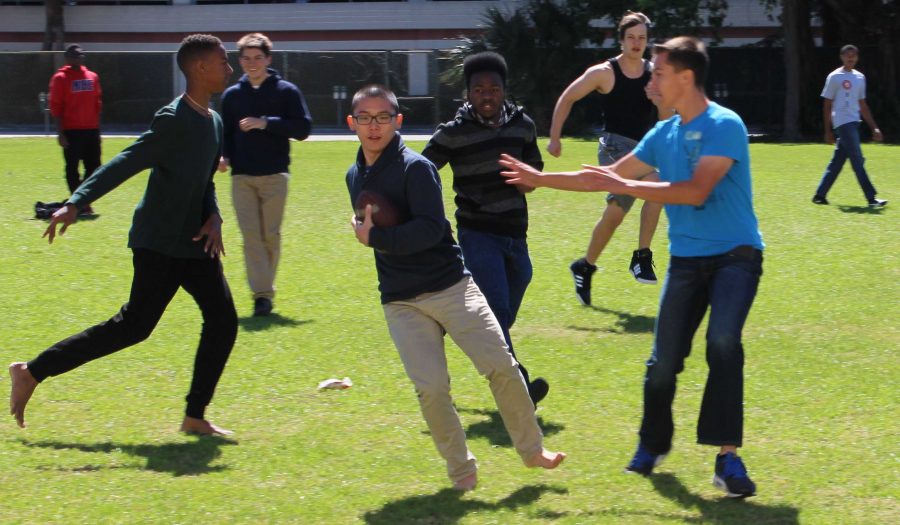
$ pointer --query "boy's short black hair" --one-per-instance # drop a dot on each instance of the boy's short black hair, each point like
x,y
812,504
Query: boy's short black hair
x,y
255,41
193,47
849,47
375,91
686,52
482,62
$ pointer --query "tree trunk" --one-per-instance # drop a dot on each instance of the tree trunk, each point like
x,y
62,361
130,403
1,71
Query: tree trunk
x,y
800,104
54,30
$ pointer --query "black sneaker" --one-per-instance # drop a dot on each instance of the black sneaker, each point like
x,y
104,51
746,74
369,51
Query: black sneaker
x,y
877,203
262,307
582,271
641,266
537,390
731,476
817,199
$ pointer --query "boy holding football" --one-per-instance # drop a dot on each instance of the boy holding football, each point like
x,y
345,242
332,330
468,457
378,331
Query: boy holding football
x,y
427,291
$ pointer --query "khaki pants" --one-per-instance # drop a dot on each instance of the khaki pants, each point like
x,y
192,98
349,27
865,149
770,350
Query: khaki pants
x,y
259,206
417,328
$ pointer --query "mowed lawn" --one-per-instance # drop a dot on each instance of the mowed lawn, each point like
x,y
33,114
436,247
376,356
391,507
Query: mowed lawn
x,y
102,443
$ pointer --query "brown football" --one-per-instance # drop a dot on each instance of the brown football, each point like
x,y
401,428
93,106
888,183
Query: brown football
x,y
384,213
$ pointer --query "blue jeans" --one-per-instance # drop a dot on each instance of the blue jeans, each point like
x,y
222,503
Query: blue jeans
x,y
726,285
847,146
502,270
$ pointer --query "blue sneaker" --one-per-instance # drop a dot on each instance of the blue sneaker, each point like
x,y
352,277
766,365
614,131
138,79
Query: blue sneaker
x,y
644,461
731,476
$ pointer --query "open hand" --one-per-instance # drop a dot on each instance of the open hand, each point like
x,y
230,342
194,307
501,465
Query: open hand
x,y
517,172
212,230
66,216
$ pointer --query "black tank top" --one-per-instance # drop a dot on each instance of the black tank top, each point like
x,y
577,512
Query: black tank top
x,y
627,110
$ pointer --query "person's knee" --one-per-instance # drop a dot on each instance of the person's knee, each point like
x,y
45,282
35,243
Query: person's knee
x,y
659,379
723,347
614,214
432,393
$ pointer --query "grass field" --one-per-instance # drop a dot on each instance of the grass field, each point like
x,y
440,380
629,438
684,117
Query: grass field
x,y
822,401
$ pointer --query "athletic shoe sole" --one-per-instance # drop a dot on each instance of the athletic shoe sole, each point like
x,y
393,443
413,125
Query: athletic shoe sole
x,y
720,484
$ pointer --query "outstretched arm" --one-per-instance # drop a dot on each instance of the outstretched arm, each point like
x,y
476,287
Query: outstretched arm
x,y
583,180
709,171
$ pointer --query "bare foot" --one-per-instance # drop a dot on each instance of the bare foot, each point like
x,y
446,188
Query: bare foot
x,y
23,385
546,459
467,483
193,425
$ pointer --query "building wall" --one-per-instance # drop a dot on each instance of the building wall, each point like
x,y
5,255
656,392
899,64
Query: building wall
x,y
418,25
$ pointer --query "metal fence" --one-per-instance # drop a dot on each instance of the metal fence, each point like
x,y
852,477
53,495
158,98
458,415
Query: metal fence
x,y
749,80
136,84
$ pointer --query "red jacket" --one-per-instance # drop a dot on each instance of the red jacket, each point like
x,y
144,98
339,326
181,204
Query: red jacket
x,y
75,97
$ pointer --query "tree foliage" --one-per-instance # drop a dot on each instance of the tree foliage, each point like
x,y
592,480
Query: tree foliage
x,y
547,43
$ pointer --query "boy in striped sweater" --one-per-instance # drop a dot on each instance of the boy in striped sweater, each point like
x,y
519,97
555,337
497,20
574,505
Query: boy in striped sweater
x,y
491,216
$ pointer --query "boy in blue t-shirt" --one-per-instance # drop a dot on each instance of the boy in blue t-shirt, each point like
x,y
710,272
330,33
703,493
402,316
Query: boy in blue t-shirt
x,y
703,160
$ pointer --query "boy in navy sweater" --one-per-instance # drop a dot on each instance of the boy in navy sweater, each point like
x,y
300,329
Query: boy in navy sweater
x,y
261,113
426,290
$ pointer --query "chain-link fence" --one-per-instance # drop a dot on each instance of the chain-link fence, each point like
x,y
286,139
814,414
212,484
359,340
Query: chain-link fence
x,y
136,84
749,80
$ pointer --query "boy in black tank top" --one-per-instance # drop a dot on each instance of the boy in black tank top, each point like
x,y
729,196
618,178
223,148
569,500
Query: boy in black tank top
x,y
628,114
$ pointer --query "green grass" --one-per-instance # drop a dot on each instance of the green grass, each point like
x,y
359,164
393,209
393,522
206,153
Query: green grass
x,y
102,445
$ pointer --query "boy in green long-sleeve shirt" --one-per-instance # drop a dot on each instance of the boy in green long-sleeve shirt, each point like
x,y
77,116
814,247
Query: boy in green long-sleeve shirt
x,y
175,237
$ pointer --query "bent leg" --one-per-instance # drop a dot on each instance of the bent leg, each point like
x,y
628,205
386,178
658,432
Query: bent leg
x,y
420,342
604,230
205,281
483,256
682,307
732,290
850,139
468,319
835,165
650,213
154,284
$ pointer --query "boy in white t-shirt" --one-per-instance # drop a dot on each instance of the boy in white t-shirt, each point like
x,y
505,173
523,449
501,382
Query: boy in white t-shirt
x,y
844,101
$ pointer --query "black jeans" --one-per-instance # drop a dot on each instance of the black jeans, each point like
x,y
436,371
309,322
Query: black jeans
x,y
726,285
84,145
156,279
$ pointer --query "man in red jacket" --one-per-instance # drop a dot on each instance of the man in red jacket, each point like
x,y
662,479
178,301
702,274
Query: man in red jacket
x,y
75,103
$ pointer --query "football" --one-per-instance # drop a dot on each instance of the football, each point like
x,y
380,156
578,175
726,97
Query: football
x,y
384,214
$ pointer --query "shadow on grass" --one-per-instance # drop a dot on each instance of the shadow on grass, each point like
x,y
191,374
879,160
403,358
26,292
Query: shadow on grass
x,y
179,459
493,429
626,323
256,324
448,506
862,210
722,510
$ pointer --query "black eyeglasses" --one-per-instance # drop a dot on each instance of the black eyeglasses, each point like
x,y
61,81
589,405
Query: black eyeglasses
x,y
381,118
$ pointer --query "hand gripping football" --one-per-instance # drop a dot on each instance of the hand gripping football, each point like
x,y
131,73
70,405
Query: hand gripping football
x,y
384,213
